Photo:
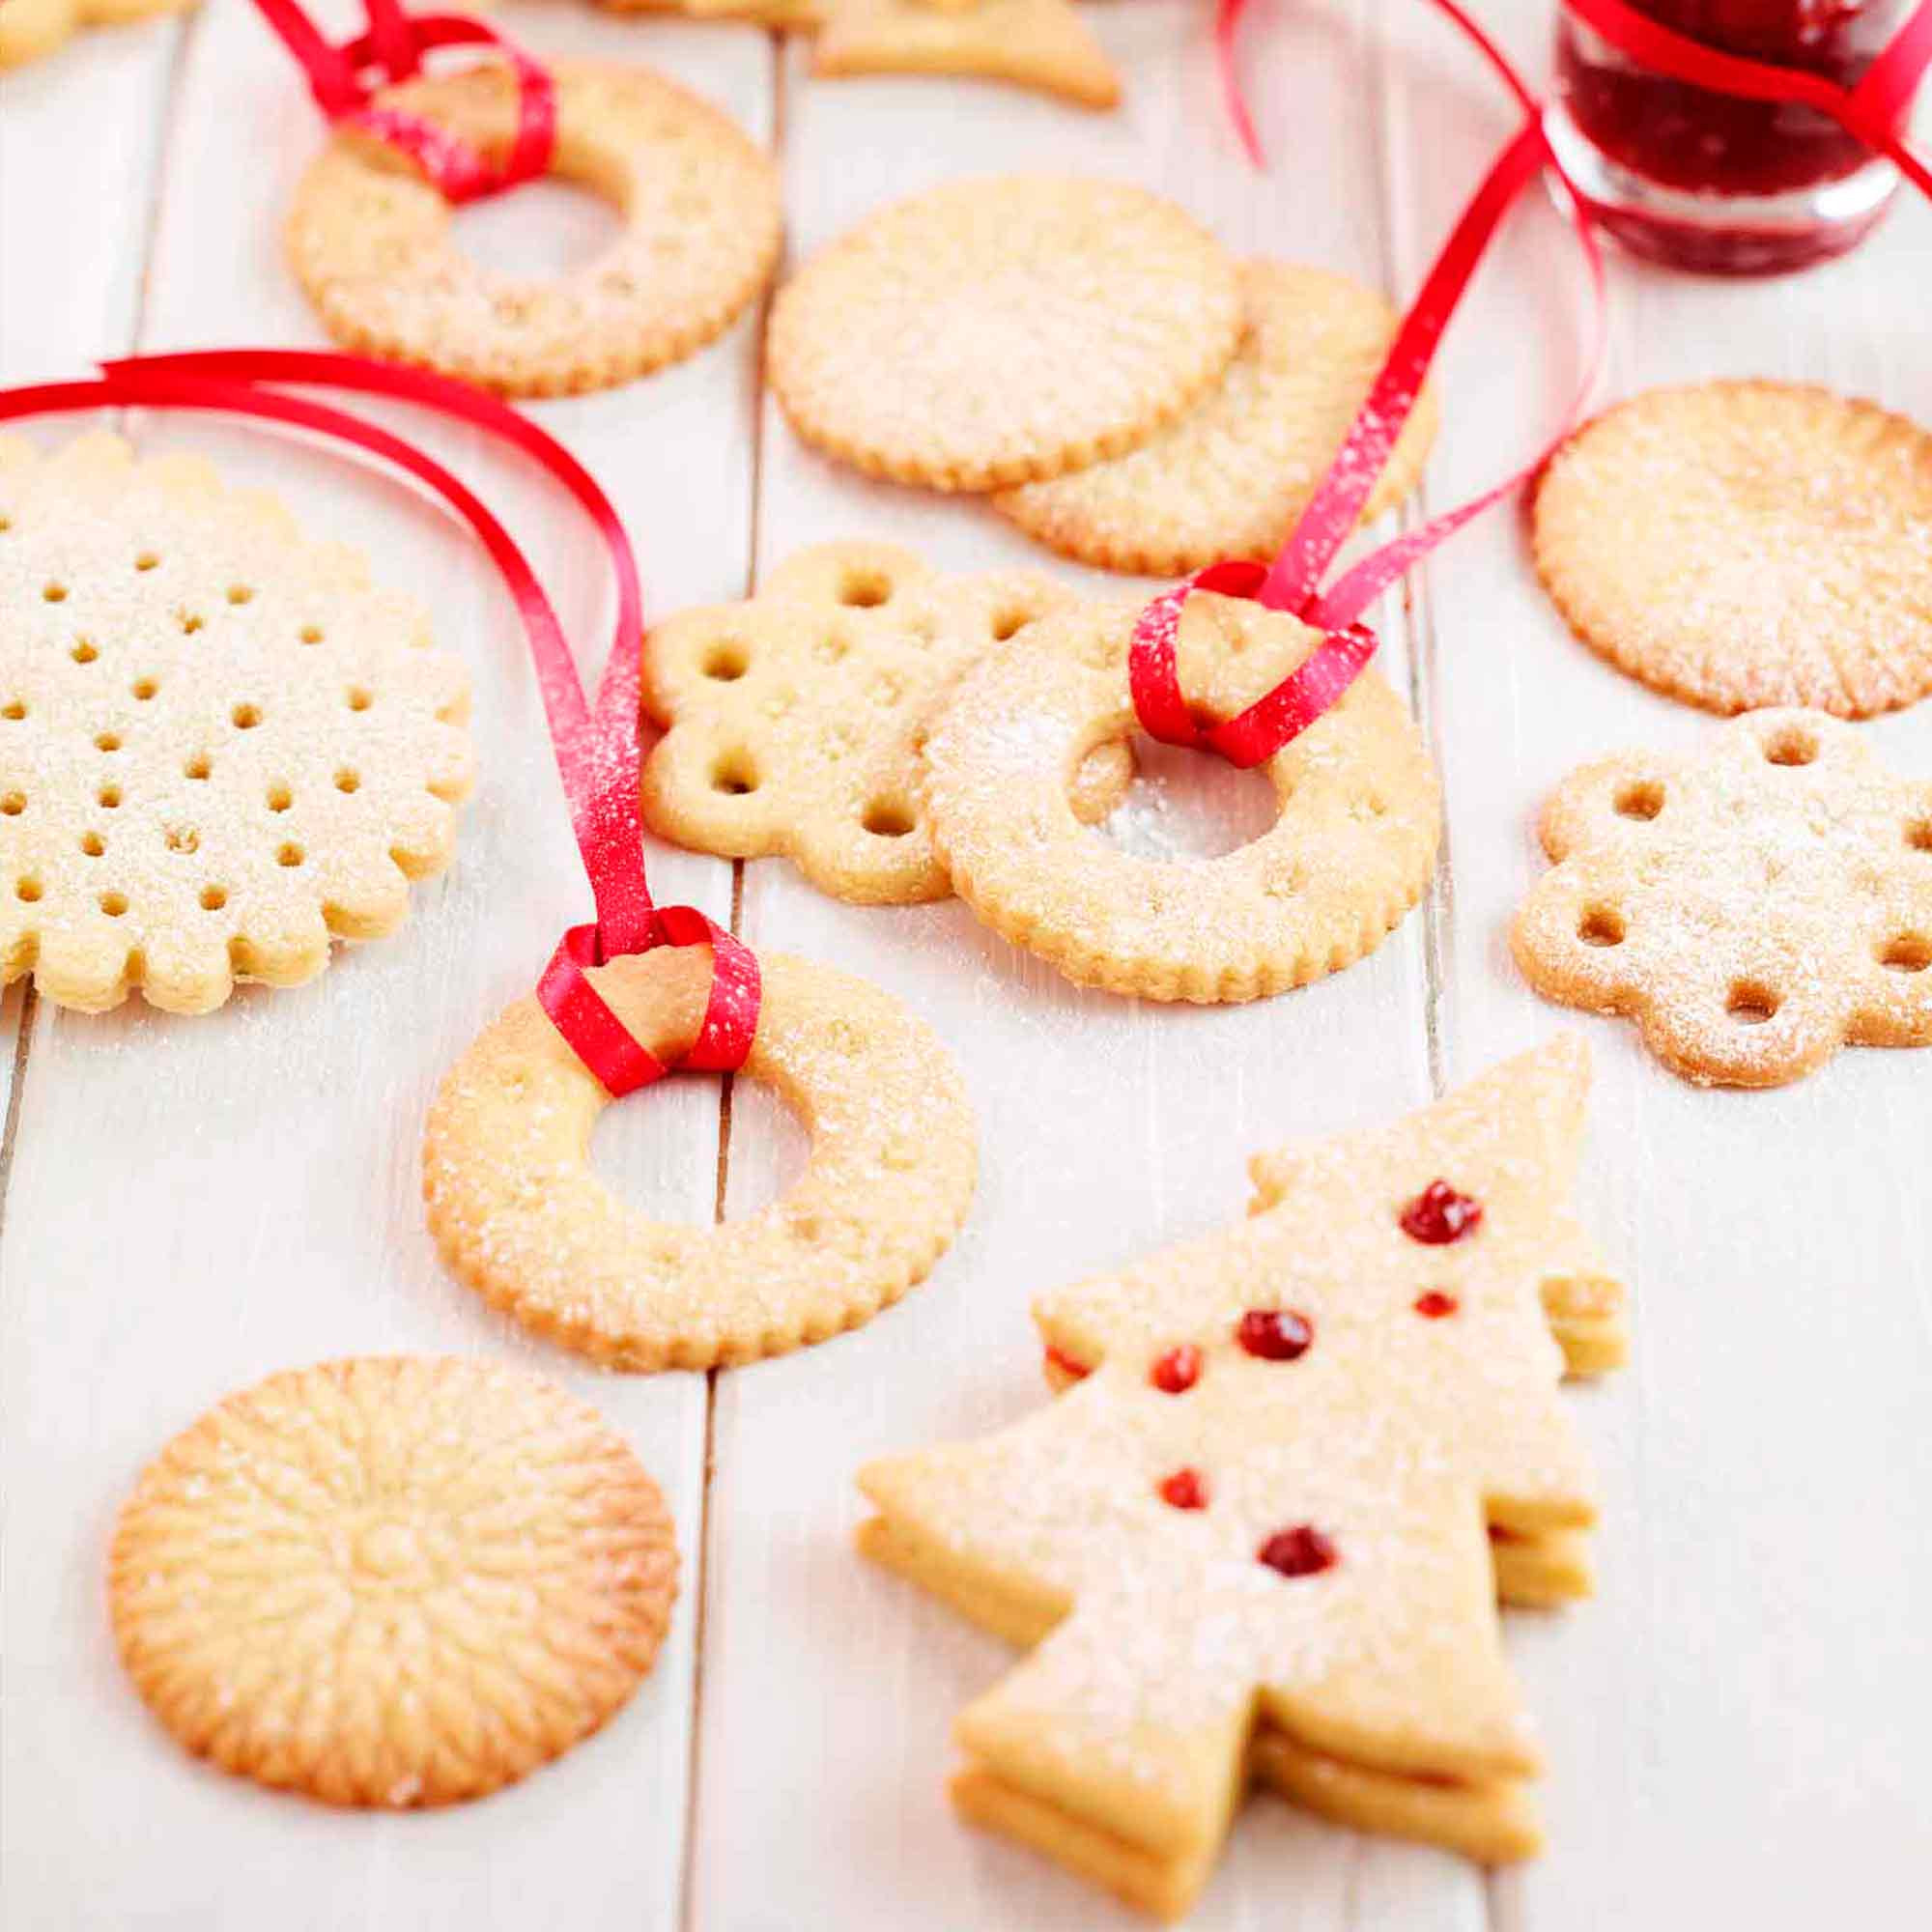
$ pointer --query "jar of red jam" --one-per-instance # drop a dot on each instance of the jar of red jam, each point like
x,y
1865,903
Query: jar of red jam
x,y
1711,182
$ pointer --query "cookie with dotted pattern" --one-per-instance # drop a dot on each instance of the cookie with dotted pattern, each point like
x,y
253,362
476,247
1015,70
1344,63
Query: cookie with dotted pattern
x,y
998,329
372,244
1248,1539
393,1582
794,721
1229,478
1752,904
220,746
1739,545
521,1217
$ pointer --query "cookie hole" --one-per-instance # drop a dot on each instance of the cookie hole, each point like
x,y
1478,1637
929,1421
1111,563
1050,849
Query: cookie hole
x,y
348,780
147,559
83,653
281,797
1182,805
1751,1003
889,818
357,697
54,593
13,712
734,775
27,889
1601,925
199,766
144,688
107,741
182,839
213,898
239,593
1642,800
93,844
1007,624
1918,835
1909,953
642,1152
113,904
310,634
1792,745
108,797
865,589
290,855
245,717
190,622
13,804
727,661
549,229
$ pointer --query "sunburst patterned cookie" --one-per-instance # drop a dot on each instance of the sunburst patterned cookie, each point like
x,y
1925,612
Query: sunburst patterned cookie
x,y
1250,1535
220,747
1753,905
1747,544
795,721
392,1582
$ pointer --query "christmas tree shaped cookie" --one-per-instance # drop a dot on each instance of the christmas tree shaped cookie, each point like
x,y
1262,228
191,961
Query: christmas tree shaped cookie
x,y
1252,1537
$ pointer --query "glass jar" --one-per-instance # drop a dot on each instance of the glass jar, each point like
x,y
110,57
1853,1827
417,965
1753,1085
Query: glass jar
x,y
1707,181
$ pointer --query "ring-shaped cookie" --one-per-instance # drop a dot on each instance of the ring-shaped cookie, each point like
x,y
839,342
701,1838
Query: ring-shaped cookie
x,y
1349,855
372,242
523,1218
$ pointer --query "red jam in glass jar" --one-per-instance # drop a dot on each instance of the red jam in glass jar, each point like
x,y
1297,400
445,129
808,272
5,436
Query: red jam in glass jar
x,y
1710,182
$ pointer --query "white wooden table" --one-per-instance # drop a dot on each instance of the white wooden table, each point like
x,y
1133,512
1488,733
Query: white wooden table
x,y
1739,1726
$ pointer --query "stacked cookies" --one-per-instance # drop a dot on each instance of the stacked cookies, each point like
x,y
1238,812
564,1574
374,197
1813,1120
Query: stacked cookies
x,y
1087,357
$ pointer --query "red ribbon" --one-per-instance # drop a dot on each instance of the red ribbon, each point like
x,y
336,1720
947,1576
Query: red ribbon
x,y
1291,583
597,746
1873,111
395,44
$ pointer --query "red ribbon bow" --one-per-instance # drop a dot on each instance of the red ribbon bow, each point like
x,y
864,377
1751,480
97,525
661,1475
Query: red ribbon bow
x,y
395,44
597,746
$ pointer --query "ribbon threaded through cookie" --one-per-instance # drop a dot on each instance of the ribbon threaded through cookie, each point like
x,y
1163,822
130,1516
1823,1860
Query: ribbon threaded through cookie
x,y
596,745
396,42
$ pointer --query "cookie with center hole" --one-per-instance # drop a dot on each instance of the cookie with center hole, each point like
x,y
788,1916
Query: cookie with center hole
x,y
1349,854
999,329
393,1582
523,1218
1752,904
221,747
794,721
1747,544
372,242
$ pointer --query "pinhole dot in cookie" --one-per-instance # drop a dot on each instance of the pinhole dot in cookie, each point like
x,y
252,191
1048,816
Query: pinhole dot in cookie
x,y
545,230
1642,800
1918,835
727,661
865,587
1601,925
1184,805
1751,1003
1907,952
1792,745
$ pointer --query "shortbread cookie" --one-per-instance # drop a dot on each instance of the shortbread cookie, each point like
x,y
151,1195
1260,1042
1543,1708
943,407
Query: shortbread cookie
x,y
399,1580
1349,856
1037,44
1290,1434
795,721
777,13
219,746
29,28
994,330
372,242
523,1218
1229,477
1753,904
1747,544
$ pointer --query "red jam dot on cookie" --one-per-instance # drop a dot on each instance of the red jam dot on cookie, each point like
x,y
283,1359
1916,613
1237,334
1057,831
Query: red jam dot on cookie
x,y
1439,1215
1301,1551
1274,1334
1185,1489
1434,1304
1060,1361
1178,1371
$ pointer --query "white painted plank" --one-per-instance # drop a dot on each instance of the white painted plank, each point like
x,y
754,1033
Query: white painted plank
x,y
261,1165
1106,1128
1737,1725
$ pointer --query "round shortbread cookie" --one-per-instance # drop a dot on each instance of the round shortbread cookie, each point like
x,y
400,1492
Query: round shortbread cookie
x,y
219,746
397,1581
371,240
523,1218
1230,476
1752,904
1747,544
794,721
995,330
1349,854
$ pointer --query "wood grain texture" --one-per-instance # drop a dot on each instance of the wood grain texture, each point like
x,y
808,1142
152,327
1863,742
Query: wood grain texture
x,y
1734,1727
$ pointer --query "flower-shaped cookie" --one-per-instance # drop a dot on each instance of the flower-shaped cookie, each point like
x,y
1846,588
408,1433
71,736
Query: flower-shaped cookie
x,y
1752,906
